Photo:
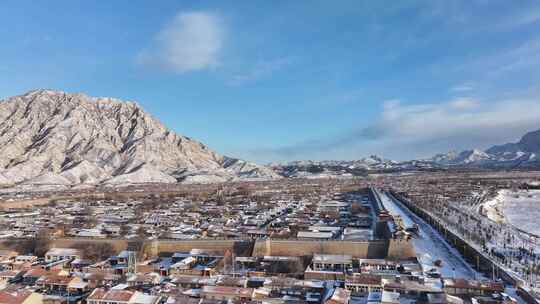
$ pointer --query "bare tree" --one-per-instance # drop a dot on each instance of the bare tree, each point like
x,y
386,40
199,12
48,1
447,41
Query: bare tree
x,y
37,245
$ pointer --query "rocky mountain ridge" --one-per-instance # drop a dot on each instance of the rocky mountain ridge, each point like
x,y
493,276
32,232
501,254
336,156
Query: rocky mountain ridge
x,y
53,137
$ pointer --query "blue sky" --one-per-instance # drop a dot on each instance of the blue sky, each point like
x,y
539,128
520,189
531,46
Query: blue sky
x,y
283,80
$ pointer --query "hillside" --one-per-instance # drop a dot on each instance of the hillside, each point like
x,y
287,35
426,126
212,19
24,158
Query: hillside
x,y
52,137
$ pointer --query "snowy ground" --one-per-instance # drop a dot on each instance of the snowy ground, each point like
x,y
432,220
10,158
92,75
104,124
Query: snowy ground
x,y
522,209
430,245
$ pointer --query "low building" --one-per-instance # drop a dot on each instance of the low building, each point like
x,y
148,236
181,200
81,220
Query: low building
x,y
20,297
118,296
388,297
378,266
362,284
225,293
58,254
331,262
471,287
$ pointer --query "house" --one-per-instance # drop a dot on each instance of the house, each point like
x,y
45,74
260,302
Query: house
x,y
331,262
410,286
470,287
121,263
59,254
119,296
329,267
389,297
34,273
187,281
225,293
54,283
79,286
20,297
363,283
143,279
378,266
26,258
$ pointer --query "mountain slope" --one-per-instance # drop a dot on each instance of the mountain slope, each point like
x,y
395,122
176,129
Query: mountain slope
x,y
529,143
73,138
463,157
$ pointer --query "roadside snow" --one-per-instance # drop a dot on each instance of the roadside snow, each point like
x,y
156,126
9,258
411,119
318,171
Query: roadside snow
x,y
430,245
492,208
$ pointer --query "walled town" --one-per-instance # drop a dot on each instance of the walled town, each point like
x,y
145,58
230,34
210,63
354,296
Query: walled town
x,y
302,241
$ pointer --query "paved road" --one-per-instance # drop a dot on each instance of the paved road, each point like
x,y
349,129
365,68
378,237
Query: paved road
x,y
429,244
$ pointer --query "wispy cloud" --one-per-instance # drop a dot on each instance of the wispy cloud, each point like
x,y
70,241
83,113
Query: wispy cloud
x,y
462,117
464,103
192,41
493,69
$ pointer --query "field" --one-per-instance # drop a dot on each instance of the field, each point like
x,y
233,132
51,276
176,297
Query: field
x,y
522,210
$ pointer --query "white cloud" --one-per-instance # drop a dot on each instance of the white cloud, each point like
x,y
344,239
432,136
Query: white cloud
x,y
464,103
405,131
459,121
192,41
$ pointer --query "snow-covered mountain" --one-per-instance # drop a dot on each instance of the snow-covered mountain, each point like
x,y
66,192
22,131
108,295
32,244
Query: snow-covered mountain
x,y
52,137
308,168
526,149
523,154
474,156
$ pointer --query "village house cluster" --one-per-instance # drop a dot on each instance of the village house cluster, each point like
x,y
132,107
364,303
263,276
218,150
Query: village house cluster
x,y
63,275
270,214
99,273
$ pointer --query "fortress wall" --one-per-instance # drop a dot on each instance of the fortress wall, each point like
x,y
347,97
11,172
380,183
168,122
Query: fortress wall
x,y
216,246
400,249
117,244
360,249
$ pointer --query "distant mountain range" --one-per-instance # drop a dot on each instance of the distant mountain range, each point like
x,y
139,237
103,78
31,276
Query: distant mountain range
x,y
52,137
525,154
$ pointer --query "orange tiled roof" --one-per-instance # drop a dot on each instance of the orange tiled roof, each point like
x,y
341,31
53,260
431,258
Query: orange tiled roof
x,y
16,297
111,295
54,279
